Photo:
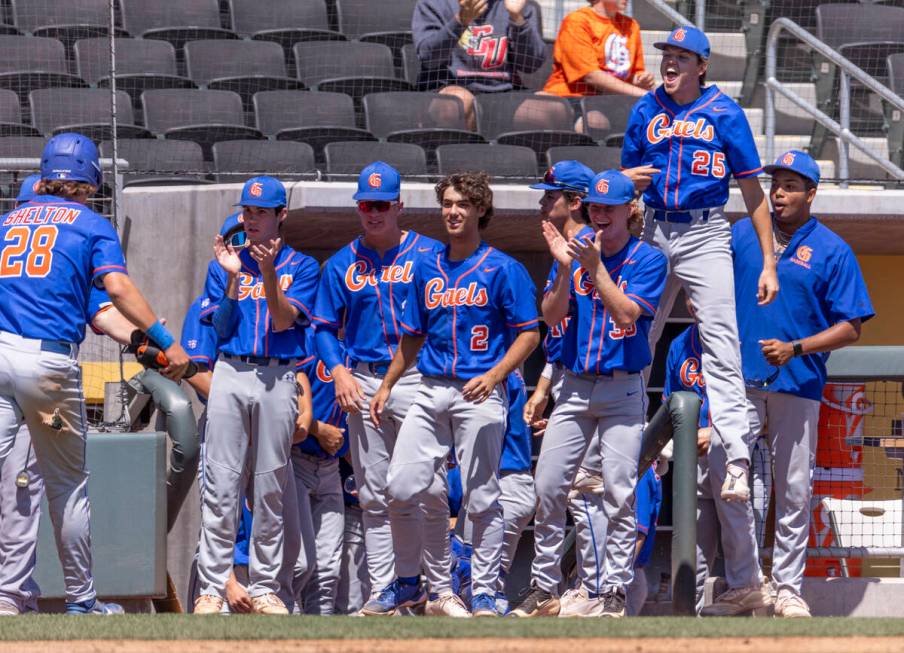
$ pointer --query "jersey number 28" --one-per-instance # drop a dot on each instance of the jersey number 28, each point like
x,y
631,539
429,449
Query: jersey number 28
x,y
708,163
28,250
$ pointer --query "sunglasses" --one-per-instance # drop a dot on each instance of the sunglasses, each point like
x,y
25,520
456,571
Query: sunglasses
x,y
762,384
380,206
236,237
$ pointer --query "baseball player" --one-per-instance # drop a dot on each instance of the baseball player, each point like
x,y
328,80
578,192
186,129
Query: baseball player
x,y
611,287
471,314
363,288
684,141
315,461
784,349
648,498
56,249
258,300
563,186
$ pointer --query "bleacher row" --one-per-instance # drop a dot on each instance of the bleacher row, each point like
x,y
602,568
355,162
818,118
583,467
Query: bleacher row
x,y
242,79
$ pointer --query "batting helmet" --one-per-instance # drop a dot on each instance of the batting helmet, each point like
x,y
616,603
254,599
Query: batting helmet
x,y
71,157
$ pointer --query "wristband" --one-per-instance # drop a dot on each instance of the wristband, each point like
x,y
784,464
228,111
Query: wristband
x,y
159,334
798,348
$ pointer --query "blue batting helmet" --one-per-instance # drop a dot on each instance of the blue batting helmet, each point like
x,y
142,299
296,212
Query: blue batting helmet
x,y
71,157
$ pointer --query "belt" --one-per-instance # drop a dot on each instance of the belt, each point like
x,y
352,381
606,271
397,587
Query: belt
x,y
597,377
263,361
683,217
59,347
377,368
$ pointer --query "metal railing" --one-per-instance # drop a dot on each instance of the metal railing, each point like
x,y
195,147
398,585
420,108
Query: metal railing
x,y
842,127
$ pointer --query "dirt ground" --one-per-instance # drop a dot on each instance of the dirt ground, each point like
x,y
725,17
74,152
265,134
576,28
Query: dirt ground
x,y
597,645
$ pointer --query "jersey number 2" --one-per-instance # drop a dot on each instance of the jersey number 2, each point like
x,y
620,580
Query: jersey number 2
x,y
480,334
701,165
37,243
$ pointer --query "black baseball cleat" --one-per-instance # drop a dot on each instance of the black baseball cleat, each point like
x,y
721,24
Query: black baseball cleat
x,y
537,603
614,604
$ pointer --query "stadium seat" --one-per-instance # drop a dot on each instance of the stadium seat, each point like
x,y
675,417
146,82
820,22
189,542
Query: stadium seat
x,y
311,117
206,116
85,110
176,21
63,19
286,22
141,64
425,119
605,117
514,163
236,161
32,62
388,23
346,159
894,115
22,147
523,118
245,67
159,162
596,158
11,116
353,68
411,65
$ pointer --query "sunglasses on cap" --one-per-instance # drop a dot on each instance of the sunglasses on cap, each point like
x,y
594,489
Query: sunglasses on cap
x,y
550,178
380,206
236,237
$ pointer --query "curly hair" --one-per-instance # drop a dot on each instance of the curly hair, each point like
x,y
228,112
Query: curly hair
x,y
635,220
474,186
65,189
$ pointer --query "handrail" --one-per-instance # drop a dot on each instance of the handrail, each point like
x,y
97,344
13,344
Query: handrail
x,y
847,69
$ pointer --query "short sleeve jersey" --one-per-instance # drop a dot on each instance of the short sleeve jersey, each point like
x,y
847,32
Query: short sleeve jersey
x,y
697,147
552,343
199,340
323,398
254,335
588,42
469,311
684,370
53,252
821,285
648,501
516,446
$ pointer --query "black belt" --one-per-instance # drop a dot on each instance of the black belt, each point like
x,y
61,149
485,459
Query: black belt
x,y
684,217
262,360
596,377
379,368
58,347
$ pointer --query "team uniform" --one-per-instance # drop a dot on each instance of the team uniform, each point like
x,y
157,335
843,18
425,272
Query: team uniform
x,y
602,397
697,148
365,293
320,500
648,498
354,581
469,312
252,409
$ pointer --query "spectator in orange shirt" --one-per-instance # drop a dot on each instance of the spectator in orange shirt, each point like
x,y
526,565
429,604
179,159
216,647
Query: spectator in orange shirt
x,y
598,50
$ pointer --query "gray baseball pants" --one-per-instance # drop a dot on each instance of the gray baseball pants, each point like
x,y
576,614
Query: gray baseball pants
x,y
372,449
707,528
699,256
636,593
439,419
610,409
354,580
44,389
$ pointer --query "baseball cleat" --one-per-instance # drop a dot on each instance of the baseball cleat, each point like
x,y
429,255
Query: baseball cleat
x,y
269,603
735,487
94,606
208,604
613,604
791,606
579,603
483,605
537,603
502,604
739,600
411,598
447,605
383,604
8,608
587,482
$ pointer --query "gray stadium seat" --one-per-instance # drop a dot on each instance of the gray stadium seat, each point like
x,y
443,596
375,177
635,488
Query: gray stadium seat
x,y
286,22
22,147
353,68
523,118
11,116
237,160
31,62
85,110
347,159
615,108
388,23
425,119
894,115
155,162
63,19
510,163
311,117
176,21
206,117
411,65
245,67
597,158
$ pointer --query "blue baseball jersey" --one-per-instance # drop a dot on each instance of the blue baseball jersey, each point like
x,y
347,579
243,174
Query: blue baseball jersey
x,y
365,293
53,251
697,147
684,370
241,554
253,334
468,310
516,446
98,300
323,397
821,285
593,343
199,339
648,501
552,343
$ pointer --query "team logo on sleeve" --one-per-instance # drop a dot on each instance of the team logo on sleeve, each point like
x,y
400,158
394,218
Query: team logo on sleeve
x,y
360,275
788,159
802,256
375,180
192,344
437,295
691,374
256,189
660,129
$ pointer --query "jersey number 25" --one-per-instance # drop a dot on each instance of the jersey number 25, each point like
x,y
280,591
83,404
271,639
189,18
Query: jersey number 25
x,y
708,163
39,247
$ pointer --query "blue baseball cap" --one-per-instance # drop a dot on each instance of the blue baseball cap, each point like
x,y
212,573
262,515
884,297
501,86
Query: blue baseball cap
x,y
566,175
267,192
378,181
610,187
231,223
796,161
29,188
687,38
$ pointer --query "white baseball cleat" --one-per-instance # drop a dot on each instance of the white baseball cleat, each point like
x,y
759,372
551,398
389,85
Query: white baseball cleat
x,y
791,606
737,601
269,603
447,605
8,608
588,482
579,603
208,604
735,487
